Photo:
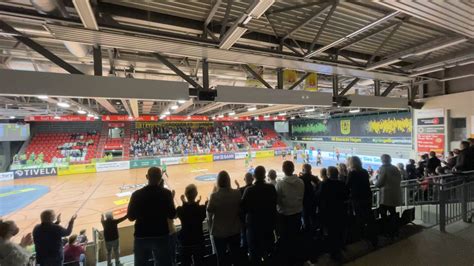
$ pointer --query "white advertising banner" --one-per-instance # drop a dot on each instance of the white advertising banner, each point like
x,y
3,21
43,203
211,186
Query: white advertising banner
x,y
240,155
173,160
112,166
7,176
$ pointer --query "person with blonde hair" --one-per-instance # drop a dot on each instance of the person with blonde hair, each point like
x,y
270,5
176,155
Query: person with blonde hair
x,y
360,196
224,219
12,254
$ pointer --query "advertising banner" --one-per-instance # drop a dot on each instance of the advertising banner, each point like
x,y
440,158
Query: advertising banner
x,y
7,176
311,82
392,128
430,131
200,158
144,163
173,160
112,166
77,169
64,118
23,173
240,155
223,156
264,154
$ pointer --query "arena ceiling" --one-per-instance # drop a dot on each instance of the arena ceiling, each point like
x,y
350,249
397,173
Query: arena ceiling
x,y
357,47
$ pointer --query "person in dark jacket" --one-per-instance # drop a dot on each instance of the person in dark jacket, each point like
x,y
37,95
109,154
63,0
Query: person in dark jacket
x,y
420,170
332,202
465,160
151,207
452,158
259,207
411,169
311,183
191,237
111,236
432,163
48,236
360,196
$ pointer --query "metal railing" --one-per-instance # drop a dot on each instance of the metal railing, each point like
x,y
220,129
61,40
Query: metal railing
x,y
438,200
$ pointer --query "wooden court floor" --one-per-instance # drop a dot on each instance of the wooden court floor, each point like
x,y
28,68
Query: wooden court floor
x,y
90,195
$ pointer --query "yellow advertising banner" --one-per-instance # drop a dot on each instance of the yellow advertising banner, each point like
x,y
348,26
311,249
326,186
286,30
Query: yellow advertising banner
x,y
311,82
77,169
289,76
200,158
122,201
264,154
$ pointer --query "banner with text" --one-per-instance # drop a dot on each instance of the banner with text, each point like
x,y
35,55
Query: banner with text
x,y
200,158
391,128
430,131
264,154
173,160
223,156
7,176
144,163
23,173
112,166
77,169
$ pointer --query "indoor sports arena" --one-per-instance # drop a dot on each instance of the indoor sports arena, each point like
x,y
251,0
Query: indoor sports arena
x,y
347,127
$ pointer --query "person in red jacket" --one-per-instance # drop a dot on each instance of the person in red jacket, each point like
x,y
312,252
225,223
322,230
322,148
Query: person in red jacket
x,y
73,252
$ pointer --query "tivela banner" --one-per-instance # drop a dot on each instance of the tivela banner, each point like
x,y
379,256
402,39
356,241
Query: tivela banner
x,y
23,173
224,156
112,166
144,163
7,176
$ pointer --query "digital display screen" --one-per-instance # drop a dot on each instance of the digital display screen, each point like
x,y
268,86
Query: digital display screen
x,y
14,132
282,127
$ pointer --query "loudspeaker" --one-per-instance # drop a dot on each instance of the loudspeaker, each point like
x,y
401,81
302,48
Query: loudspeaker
x,y
341,101
207,95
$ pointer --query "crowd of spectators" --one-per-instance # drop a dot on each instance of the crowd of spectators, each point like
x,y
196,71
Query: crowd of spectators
x,y
181,140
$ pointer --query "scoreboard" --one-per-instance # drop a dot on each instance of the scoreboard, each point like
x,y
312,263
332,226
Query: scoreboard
x,y
14,132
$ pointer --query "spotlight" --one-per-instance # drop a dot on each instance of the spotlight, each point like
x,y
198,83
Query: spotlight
x,y
82,112
63,104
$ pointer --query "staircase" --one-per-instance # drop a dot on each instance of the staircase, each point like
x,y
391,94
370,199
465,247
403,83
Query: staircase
x,y
104,133
126,139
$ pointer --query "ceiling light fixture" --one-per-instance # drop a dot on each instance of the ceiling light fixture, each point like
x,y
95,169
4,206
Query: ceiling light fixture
x,y
42,97
82,112
354,111
232,113
282,113
309,110
167,113
252,109
57,117
174,107
181,101
63,104
12,117
90,115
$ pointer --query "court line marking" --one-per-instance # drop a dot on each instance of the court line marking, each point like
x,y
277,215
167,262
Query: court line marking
x,y
199,170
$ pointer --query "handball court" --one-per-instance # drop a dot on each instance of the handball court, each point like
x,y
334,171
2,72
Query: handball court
x,y
90,195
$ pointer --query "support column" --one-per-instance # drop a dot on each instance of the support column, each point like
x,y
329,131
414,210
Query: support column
x,y
335,86
205,74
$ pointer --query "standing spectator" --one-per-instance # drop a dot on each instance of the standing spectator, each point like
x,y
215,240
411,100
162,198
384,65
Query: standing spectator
x,y
332,196
290,192
465,160
248,179
259,207
411,170
323,174
420,171
74,253
390,191
360,196
433,163
111,236
272,177
370,171
82,237
403,173
191,236
12,254
151,207
342,169
48,238
451,160
311,183
224,220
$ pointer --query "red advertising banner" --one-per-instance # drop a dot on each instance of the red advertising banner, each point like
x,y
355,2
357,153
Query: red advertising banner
x,y
151,118
116,125
65,118
232,118
186,118
430,142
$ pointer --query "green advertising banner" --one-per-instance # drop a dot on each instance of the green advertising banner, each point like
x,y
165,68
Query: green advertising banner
x,y
144,163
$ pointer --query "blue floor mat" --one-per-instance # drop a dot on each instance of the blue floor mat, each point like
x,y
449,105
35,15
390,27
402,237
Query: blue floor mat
x,y
15,197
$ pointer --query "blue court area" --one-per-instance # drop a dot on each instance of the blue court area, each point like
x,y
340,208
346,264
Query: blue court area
x,y
15,197
206,177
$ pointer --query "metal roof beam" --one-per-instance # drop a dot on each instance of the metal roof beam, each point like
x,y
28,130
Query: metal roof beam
x,y
385,41
357,40
349,86
292,7
389,89
418,50
106,104
256,76
307,20
323,26
176,70
134,107
38,48
355,33
212,12
298,82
